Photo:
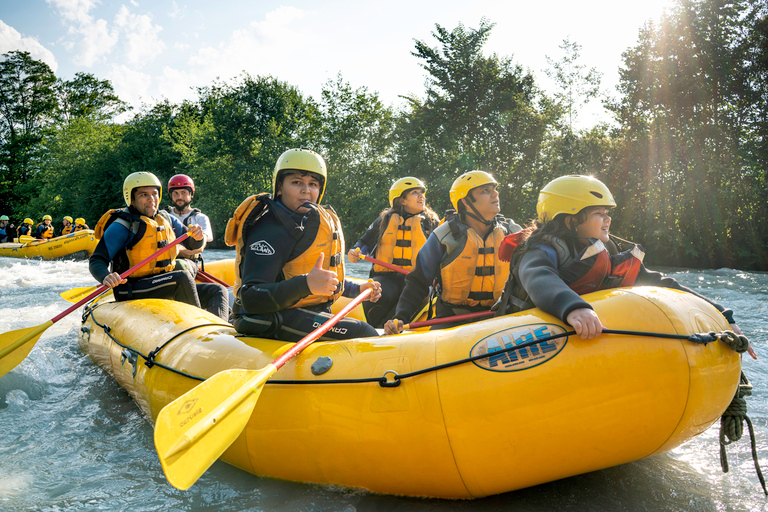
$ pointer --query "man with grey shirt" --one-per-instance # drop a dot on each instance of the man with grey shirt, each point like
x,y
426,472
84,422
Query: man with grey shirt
x,y
182,190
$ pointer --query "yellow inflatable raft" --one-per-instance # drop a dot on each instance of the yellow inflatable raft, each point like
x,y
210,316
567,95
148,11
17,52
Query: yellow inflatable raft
x,y
79,245
558,408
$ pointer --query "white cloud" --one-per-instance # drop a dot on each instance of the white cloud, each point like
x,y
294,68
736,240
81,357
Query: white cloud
x,y
175,11
95,40
130,85
287,36
11,39
142,42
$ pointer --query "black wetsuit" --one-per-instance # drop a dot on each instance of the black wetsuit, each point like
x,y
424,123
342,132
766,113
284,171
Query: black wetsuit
x,y
263,303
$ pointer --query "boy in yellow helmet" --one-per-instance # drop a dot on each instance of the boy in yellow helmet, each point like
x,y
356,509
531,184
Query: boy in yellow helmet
x,y
67,225
25,228
290,257
129,235
462,254
80,225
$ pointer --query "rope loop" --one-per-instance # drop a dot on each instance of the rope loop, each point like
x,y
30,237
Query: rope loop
x,y
732,424
738,342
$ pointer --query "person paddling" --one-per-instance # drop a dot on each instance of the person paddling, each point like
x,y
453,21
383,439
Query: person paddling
x,y
395,237
569,252
290,257
461,254
128,235
25,228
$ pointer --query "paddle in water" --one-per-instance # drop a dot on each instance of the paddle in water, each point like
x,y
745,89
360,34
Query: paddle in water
x,y
195,429
16,345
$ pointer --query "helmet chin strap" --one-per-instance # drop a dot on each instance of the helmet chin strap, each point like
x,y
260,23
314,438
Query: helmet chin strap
x,y
477,216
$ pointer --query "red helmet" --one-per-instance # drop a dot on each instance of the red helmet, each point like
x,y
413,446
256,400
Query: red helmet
x,y
181,181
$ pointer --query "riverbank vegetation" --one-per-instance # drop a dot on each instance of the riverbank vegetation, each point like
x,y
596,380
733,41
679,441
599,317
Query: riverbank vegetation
x,y
685,155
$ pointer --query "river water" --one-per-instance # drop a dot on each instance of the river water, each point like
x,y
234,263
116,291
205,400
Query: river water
x,y
72,439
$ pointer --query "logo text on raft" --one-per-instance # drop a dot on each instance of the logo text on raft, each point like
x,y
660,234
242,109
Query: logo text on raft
x,y
521,359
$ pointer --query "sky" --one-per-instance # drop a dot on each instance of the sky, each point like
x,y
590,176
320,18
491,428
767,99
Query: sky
x,y
166,49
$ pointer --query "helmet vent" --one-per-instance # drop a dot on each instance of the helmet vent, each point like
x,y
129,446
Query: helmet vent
x,y
596,194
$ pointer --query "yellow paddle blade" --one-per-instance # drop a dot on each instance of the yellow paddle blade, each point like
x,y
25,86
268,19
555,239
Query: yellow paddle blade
x,y
16,345
195,429
77,294
25,239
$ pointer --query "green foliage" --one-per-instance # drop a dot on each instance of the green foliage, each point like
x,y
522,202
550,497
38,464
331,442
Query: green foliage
x,y
27,107
480,112
87,96
357,134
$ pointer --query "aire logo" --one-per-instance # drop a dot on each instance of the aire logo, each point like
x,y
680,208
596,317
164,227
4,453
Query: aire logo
x,y
533,354
262,248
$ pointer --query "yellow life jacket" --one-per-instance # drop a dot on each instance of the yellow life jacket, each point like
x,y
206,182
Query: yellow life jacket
x,y
79,227
67,230
149,236
401,242
48,233
329,240
471,274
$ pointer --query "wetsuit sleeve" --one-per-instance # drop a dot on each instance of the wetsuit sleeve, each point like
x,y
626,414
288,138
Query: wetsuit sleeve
x,y
650,278
351,289
114,239
546,289
418,281
367,242
179,229
262,291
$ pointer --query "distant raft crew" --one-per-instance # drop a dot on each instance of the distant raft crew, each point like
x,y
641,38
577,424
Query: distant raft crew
x,y
68,226
290,256
461,254
80,225
6,235
45,229
26,228
395,237
129,235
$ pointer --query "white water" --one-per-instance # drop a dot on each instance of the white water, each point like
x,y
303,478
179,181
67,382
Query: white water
x,y
72,439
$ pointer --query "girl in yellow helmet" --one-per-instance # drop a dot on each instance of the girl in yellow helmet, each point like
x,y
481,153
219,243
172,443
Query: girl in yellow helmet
x,y
289,264
395,237
568,252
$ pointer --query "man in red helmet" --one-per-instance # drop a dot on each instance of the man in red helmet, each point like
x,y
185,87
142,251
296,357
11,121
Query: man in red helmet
x,y
182,190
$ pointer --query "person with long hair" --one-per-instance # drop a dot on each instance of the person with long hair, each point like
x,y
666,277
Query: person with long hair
x,y
395,237
569,251
461,254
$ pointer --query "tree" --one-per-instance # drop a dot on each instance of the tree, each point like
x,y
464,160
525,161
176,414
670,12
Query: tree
x,y
87,96
577,85
479,113
357,134
27,106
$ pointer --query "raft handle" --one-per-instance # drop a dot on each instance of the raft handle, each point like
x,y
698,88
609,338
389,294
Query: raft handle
x,y
386,383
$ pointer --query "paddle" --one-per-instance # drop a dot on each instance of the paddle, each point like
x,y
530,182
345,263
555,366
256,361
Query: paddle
x,y
76,294
213,278
195,429
446,319
16,345
381,263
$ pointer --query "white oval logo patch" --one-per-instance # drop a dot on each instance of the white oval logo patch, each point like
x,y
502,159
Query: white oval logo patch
x,y
521,359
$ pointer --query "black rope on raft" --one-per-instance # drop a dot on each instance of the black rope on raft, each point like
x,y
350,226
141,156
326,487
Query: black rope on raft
x,y
731,426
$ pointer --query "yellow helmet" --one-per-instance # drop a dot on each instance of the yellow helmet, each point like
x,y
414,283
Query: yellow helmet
x,y
301,159
466,182
570,195
28,221
67,217
139,179
47,217
80,221
402,185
